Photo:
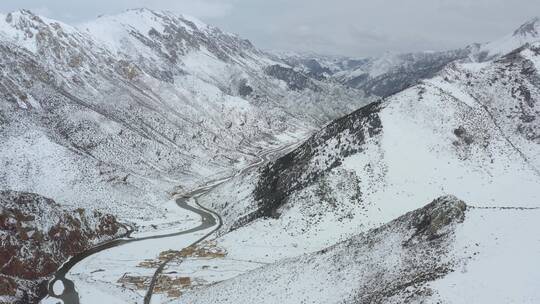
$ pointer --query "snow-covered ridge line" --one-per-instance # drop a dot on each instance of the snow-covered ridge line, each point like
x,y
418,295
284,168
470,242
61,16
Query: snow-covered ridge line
x,y
388,263
503,207
134,14
167,80
529,32
133,108
391,73
444,252
472,130
24,28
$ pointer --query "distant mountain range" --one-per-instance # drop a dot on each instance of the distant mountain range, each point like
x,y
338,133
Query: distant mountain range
x,y
106,120
472,130
391,73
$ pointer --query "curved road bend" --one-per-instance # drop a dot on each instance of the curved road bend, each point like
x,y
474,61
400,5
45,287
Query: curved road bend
x,y
208,219
263,158
203,210
70,295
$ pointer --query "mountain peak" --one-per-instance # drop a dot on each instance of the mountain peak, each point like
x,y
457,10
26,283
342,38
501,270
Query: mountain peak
x,y
134,16
22,14
27,20
527,33
140,10
22,27
529,28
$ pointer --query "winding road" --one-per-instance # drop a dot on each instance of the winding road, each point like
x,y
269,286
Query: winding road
x,y
209,219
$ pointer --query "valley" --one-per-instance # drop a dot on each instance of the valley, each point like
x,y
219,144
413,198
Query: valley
x,y
148,157
90,270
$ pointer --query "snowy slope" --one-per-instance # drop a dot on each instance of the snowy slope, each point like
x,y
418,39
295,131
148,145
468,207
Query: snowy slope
x,y
445,252
529,32
378,76
123,110
391,73
471,131
502,245
117,115
369,268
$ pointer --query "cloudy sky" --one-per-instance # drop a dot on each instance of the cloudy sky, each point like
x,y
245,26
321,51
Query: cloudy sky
x,y
346,27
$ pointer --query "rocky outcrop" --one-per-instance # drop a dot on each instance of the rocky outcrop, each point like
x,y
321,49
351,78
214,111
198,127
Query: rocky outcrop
x,y
427,234
411,70
294,80
312,159
37,236
390,264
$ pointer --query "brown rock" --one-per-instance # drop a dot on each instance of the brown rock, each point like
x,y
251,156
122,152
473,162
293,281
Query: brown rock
x,y
8,286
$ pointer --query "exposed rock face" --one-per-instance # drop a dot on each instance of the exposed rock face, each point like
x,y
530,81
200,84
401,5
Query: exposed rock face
x,y
37,236
294,80
409,71
477,112
378,76
294,171
389,264
430,222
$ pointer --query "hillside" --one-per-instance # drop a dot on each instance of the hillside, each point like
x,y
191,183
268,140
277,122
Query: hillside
x,y
445,252
471,131
249,176
127,108
391,73
116,115
37,236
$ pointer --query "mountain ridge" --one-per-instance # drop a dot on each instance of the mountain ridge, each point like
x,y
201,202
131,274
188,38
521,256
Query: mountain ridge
x,y
390,73
125,112
180,112
472,131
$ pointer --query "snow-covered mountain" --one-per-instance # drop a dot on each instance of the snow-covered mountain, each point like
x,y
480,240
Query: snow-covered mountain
x,y
379,76
445,252
391,73
529,32
119,111
116,114
471,131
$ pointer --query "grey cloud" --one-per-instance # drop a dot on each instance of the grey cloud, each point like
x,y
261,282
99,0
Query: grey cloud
x,y
366,35
348,27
